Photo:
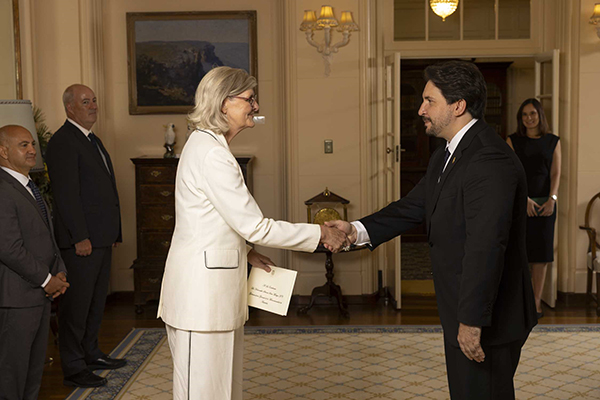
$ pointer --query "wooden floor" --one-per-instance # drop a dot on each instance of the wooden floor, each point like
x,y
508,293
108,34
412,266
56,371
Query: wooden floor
x,y
120,318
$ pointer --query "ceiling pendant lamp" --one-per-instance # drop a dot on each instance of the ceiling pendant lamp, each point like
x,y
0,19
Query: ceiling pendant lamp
x,y
443,8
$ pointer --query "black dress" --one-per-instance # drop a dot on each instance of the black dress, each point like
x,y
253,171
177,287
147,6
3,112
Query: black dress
x,y
536,156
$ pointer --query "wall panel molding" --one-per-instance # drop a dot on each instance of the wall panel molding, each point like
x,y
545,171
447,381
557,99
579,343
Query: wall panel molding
x,y
290,165
27,33
91,23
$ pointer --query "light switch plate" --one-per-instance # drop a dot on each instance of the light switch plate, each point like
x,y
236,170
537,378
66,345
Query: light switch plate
x,y
328,146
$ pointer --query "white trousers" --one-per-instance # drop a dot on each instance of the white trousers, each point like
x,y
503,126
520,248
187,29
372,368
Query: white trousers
x,y
207,365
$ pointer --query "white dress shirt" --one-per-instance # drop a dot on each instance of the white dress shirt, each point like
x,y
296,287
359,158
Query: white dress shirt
x,y
81,128
24,180
362,236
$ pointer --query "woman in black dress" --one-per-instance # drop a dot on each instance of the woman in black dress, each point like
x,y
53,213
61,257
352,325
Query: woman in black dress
x,y
539,152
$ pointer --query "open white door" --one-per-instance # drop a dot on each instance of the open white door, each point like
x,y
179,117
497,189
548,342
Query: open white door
x,y
546,91
392,267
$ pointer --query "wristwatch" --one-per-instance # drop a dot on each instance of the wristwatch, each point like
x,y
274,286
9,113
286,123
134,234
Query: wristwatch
x,y
554,197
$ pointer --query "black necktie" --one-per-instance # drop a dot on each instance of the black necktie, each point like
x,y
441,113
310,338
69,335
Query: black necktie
x,y
94,141
446,157
38,199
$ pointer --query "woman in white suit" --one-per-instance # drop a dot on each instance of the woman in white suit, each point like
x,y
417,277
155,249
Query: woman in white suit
x,y
203,297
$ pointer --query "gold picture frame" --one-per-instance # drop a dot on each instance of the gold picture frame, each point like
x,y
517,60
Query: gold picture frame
x,y
169,52
10,50
17,38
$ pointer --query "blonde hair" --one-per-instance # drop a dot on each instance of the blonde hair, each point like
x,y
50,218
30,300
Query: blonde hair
x,y
216,86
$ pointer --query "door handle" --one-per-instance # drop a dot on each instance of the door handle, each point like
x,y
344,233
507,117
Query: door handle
x,y
398,149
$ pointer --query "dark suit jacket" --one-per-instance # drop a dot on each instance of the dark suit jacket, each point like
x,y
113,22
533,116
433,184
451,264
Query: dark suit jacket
x,y
476,218
86,202
28,251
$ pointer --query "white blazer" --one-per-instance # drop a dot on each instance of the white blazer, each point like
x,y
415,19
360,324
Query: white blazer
x,y
204,285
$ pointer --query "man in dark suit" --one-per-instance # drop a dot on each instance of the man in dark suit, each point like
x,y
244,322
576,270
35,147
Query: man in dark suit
x,y
32,272
88,224
473,200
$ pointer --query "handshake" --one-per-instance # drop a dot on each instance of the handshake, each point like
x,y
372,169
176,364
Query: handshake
x,y
337,235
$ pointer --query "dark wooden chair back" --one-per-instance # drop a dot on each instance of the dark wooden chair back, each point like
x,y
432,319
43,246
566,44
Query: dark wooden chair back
x,y
592,248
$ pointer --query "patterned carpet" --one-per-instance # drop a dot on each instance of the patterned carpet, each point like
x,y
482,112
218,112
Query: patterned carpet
x,y
360,363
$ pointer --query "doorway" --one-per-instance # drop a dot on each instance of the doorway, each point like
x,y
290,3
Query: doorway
x,y
509,81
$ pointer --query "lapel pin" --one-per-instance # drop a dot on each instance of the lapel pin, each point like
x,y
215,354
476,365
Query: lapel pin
x,y
454,159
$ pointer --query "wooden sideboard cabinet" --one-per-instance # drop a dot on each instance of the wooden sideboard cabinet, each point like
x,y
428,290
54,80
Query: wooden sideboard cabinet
x,y
155,216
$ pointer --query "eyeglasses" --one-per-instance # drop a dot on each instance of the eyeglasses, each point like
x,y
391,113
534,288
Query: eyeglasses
x,y
252,100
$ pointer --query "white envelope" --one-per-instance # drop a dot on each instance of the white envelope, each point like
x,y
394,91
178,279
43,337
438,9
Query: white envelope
x,y
271,291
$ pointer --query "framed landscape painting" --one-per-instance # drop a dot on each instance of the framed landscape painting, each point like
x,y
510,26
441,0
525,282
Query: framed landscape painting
x,y
168,53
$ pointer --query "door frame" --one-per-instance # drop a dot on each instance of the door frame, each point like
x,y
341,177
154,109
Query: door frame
x,y
550,291
392,267
551,284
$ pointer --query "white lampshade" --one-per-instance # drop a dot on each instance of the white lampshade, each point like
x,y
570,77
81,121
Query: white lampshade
x,y
595,18
347,17
327,18
309,21
347,23
309,17
20,112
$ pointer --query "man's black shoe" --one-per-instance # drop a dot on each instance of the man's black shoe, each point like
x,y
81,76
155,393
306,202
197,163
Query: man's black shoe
x,y
85,379
107,363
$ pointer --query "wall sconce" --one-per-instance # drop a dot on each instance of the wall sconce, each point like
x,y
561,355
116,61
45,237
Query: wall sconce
x,y
443,8
595,18
325,22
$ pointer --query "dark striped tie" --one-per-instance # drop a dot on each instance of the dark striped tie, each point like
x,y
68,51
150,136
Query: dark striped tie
x,y
446,157
38,199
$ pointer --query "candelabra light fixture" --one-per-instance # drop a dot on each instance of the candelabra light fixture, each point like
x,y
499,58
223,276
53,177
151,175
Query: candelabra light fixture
x,y
326,21
443,8
595,18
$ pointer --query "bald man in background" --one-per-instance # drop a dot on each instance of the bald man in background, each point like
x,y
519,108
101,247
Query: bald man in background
x,y
88,224
32,272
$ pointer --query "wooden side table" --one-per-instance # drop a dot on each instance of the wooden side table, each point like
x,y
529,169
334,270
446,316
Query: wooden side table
x,y
330,288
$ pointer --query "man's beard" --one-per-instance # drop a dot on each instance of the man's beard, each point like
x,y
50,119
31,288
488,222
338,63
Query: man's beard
x,y
436,127
433,129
